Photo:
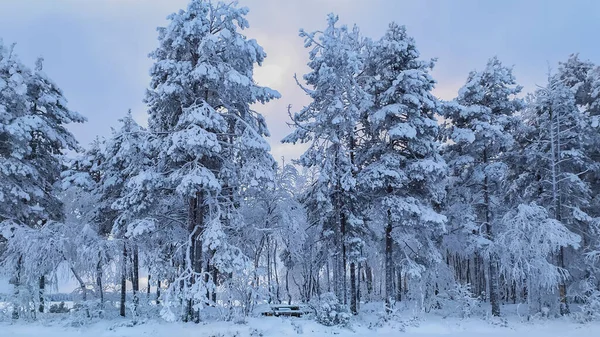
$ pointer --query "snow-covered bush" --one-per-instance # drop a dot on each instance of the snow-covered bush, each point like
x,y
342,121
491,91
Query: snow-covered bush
x,y
590,308
59,308
466,302
329,311
396,319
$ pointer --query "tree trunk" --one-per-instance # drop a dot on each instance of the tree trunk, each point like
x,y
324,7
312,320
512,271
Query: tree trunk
x,y
195,228
358,285
277,297
353,293
493,277
207,278
494,285
215,275
135,279
287,286
42,291
389,269
99,281
269,286
158,292
369,276
399,285
344,260
81,284
17,288
328,275
556,157
562,287
123,281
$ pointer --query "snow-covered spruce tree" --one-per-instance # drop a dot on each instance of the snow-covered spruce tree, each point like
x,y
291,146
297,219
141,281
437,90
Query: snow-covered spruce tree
x,y
329,123
403,171
33,115
556,161
479,121
209,142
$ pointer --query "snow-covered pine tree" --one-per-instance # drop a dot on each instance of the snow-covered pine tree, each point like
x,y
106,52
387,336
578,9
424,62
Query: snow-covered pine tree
x,y
80,194
557,161
479,123
329,123
402,171
592,239
209,142
583,79
84,170
125,155
33,137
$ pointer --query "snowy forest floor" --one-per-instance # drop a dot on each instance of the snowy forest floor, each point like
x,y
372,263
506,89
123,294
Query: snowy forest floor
x,y
427,326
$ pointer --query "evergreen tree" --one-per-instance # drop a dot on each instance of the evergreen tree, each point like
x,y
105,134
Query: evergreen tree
x,y
556,159
582,78
403,171
480,120
33,138
199,104
329,123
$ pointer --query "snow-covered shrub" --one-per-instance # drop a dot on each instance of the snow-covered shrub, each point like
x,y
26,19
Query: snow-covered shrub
x,y
465,300
396,319
590,306
59,308
329,311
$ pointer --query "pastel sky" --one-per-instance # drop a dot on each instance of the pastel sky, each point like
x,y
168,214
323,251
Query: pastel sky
x,y
96,50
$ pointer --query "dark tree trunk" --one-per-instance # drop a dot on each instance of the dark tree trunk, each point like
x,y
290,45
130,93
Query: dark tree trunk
x,y
389,268
207,273
215,275
369,276
287,286
353,292
399,285
344,260
158,292
562,287
469,273
269,285
123,281
135,279
42,291
328,275
99,281
136,270
493,277
195,227
358,285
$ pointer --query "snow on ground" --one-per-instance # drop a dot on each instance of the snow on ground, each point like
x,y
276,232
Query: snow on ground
x,y
276,327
